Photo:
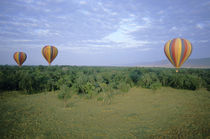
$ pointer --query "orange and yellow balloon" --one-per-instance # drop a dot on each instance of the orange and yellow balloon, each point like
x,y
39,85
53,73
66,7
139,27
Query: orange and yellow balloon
x,y
49,53
19,57
177,51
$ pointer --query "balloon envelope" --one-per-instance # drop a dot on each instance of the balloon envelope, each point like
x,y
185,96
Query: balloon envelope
x,y
49,53
19,57
177,51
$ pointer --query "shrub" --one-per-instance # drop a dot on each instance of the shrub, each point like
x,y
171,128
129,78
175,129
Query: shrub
x,y
65,93
147,79
192,82
89,90
208,87
106,97
135,75
155,86
177,81
123,87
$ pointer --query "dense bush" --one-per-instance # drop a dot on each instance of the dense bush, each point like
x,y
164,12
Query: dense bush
x,y
156,85
90,80
65,93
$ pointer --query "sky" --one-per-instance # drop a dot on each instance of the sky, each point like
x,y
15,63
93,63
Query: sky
x,y
101,32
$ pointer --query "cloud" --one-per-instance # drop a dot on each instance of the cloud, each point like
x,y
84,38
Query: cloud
x,y
19,24
58,1
202,41
8,33
122,37
35,5
97,25
200,26
127,25
107,10
85,12
42,32
27,1
20,40
174,28
82,2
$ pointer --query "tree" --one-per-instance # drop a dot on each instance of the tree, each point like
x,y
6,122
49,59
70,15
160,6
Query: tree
x,y
155,86
65,93
145,80
89,89
135,75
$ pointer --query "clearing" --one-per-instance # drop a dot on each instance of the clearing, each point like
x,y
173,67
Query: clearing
x,y
140,113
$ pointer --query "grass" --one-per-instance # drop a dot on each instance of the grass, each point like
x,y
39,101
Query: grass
x,y
140,113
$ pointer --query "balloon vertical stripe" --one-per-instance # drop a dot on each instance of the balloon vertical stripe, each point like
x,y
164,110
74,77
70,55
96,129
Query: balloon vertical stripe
x,y
177,51
184,51
19,54
189,50
173,52
16,56
19,57
55,52
167,52
49,53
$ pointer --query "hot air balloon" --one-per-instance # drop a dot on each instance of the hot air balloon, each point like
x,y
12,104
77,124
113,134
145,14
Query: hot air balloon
x,y
49,53
19,57
177,51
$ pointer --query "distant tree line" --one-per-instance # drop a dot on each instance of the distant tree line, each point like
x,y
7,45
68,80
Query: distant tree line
x,y
88,80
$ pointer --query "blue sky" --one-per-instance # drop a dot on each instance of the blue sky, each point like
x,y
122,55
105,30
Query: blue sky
x,y
101,32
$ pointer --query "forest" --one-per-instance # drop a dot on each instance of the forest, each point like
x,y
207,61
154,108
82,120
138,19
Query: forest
x,y
89,80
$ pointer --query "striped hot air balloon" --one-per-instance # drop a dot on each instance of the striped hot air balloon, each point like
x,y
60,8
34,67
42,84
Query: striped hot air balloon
x,y
177,51
49,53
19,57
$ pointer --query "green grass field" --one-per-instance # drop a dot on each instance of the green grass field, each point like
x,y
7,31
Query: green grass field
x,y
140,113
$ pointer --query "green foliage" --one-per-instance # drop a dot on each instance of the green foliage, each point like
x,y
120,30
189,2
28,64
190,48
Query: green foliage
x,y
89,89
106,97
65,93
208,87
156,85
123,87
191,82
135,75
148,79
94,80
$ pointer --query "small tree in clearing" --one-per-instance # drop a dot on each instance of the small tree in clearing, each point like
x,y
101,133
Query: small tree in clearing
x,y
65,94
155,86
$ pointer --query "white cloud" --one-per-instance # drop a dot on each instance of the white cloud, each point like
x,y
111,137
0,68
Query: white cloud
x,y
147,20
122,37
85,12
82,2
19,24
27,1
22,40
174,28
202,41
57,1
8,33
42,32
200,26
105,9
